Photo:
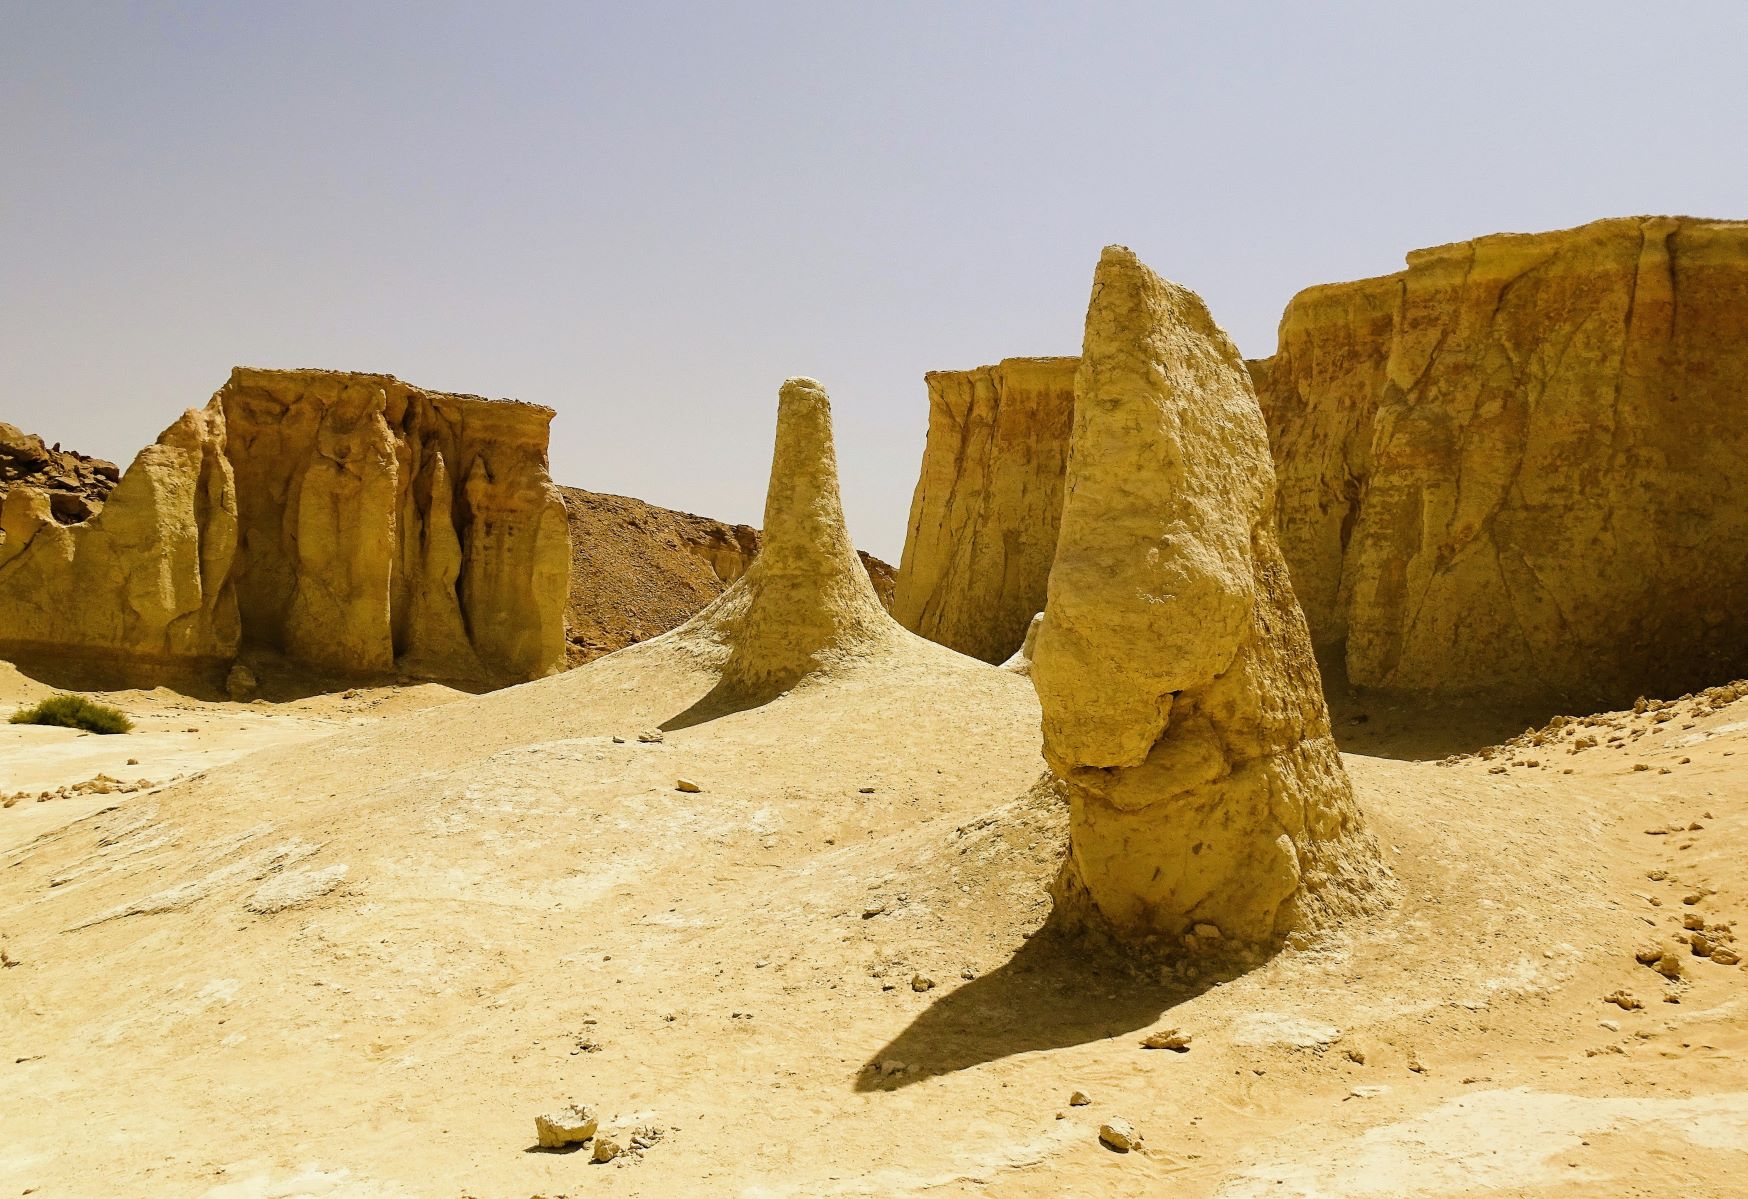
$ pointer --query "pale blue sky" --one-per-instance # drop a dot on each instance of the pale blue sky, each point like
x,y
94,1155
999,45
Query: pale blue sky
x,y
646,215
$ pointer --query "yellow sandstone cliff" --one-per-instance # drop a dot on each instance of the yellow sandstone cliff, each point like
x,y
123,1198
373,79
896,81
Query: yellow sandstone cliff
x,y
352,522
983,520
1515,466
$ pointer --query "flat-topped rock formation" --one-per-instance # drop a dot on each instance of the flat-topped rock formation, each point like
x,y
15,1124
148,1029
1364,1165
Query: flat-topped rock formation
x,y
983,520
352,522
1209,809
1515,465
1508,469
638,570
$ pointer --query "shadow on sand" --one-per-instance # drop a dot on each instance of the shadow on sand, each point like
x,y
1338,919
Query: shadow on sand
x,y
1053,993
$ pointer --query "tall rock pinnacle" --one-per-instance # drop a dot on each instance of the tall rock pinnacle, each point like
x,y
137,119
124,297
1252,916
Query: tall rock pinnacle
x,y
805,602
1181,702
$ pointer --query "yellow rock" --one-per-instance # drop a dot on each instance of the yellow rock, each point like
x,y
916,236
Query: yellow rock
x,y
984,517
805,604
1181,703
1515,466
351,521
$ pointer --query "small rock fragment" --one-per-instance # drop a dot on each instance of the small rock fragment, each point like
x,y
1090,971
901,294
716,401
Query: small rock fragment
x,y
1624,1000
650,737
688,786
606,1148
1169,1038
1119,1135
569,1125
1723,955
922,982
1079,1099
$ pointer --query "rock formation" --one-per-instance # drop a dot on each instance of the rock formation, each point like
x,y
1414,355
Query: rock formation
x,y
1515,466
1182,706
638,570
351,522
76,485
145,581
983,520
805,605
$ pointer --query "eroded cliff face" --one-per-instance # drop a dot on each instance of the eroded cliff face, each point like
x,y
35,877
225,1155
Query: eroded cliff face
x,y
984,517
147,580
352,522
1182,708
1516,464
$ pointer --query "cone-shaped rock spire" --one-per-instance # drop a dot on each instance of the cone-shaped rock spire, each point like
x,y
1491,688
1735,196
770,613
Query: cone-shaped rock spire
x,y
1181,702
805,602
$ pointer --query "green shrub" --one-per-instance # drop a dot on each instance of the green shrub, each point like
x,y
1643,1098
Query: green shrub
x,y
74,712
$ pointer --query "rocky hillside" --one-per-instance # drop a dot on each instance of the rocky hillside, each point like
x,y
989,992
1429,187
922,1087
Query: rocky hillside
x,y
76,485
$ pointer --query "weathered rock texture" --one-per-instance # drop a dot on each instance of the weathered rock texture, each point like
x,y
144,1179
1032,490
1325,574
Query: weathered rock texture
x,y
148,578
383,524
638,570
983,519
75,484
1182,706
351,521
805,605
1516,465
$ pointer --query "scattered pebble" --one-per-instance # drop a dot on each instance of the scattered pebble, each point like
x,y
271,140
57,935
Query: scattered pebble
x,y
1079,1099
651,737
1169,1038
688,786
1624,1000
606,1149
922,982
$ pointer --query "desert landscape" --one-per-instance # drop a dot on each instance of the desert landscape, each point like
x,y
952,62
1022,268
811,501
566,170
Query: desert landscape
x,y
906,601
1059,872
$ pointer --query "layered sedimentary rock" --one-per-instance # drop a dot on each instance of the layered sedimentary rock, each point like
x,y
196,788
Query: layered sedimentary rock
x,y
638,570
1516,464
384,524
147,579
805,605
76,484
350,521
1182,705
983,519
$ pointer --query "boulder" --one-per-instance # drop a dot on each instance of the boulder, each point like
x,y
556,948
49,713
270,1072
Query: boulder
x,y
571,1124
1181,704
983,520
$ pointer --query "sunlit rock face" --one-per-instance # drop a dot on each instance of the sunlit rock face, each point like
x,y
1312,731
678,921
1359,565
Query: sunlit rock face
x,y
353,522
1515,466
1181,703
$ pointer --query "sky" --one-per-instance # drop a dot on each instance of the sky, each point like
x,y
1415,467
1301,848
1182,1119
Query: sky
x,y
647,215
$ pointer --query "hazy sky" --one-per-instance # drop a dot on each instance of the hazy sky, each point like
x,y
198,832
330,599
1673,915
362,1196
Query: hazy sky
x,y
646,215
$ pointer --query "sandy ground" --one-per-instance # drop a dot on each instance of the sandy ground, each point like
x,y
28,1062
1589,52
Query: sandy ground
x,y
360,959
